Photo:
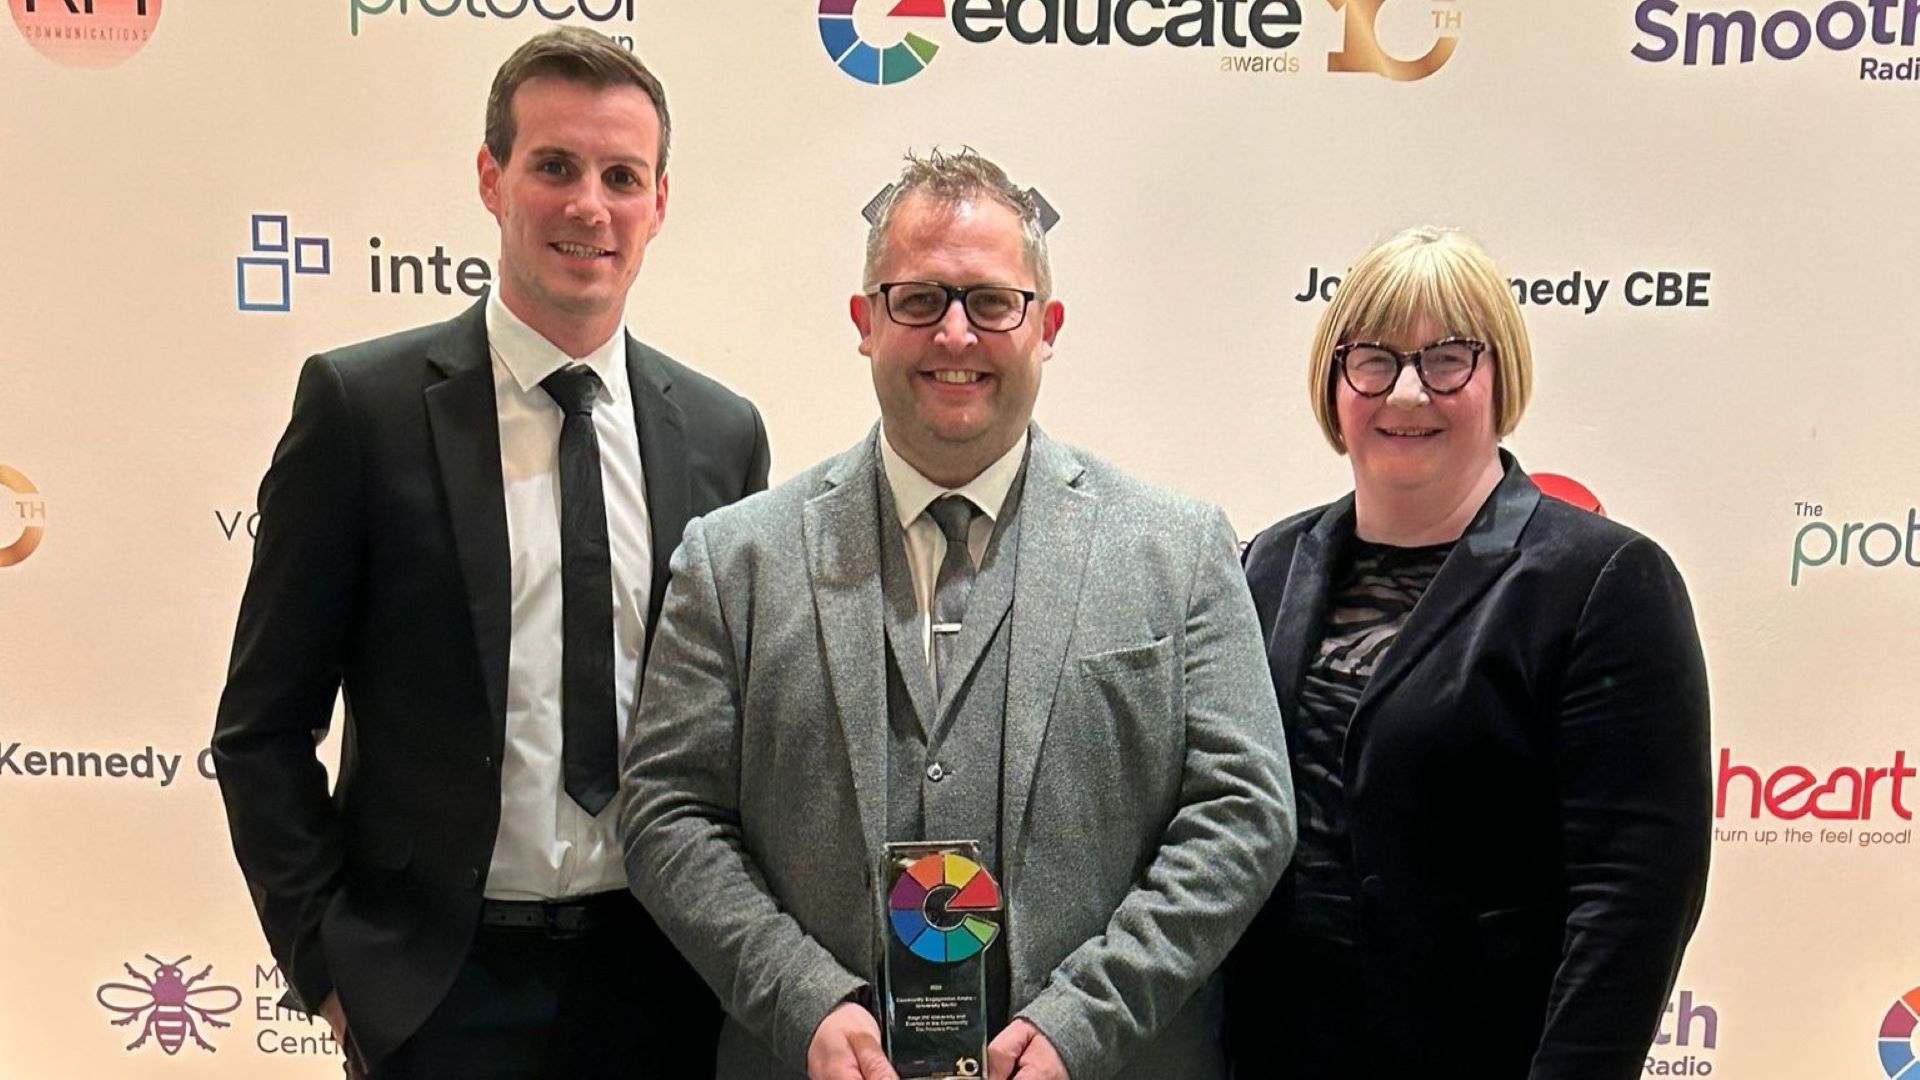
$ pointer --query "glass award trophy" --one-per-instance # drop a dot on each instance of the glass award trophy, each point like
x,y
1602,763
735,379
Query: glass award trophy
x,y
942,910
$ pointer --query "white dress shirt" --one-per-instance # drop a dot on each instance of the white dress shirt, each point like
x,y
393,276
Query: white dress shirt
x,y
926,544
547,847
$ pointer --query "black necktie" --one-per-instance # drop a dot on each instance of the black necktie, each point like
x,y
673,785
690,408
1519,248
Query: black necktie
x,y
954,514
587,719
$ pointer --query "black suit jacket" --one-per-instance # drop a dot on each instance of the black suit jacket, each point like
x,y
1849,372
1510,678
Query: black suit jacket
x,y
381,569
1528,788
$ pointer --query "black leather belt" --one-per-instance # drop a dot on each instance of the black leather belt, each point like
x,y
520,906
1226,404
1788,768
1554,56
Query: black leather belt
x,y
557,918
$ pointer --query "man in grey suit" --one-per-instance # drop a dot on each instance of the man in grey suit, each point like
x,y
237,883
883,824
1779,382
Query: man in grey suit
x,y
1078,682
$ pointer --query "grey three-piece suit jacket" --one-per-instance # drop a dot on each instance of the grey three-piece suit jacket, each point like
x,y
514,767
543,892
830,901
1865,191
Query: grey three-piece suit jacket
x,y
1146,806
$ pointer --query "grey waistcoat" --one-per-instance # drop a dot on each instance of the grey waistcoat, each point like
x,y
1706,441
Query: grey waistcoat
x,y
962,733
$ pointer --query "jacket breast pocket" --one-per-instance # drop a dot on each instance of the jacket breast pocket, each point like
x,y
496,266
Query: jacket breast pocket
x,y
1132,682
1131,703
1118,662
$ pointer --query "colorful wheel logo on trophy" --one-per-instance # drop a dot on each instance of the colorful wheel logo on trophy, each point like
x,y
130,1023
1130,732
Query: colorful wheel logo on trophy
x,y
936,908
1900,1038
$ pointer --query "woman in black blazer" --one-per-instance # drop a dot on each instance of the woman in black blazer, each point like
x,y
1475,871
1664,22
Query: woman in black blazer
x,y
1496,711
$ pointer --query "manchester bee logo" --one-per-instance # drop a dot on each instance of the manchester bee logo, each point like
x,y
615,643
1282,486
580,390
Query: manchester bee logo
x,y
174,1006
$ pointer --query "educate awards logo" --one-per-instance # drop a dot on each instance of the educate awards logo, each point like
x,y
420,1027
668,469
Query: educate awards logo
x,y
894,63
1900,1038
86,33
883,49
23,516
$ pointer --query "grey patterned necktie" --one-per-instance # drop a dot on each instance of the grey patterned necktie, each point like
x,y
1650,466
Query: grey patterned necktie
x,y
953,513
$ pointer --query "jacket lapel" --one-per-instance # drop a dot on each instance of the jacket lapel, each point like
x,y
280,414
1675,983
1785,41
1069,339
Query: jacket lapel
x,y
1303,603
903,625
663,462
842,528
466,440
1056,536
1483,553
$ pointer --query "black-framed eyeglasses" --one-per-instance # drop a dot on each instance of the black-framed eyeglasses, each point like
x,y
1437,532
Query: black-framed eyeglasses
x,y
1444,367
998,308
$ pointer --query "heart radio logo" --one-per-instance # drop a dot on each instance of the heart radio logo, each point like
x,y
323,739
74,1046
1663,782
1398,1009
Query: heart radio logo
x,y
1792,792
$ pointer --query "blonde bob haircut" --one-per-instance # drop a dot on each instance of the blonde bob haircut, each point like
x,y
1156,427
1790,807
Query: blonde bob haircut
x,y
1438,273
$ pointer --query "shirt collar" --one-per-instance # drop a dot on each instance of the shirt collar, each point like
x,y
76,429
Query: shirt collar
x,y
913,492
529,358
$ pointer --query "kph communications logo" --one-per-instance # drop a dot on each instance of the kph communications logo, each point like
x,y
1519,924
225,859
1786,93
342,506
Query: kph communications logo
x,y
86,33
1271,25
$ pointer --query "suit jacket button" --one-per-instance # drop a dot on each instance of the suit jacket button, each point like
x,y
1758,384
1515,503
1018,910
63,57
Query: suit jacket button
x,y
936,772
1373,887
487,761
473,877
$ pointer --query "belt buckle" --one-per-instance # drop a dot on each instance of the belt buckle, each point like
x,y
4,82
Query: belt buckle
x,y
566,920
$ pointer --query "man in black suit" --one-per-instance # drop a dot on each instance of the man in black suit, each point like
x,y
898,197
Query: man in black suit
x,y
466,526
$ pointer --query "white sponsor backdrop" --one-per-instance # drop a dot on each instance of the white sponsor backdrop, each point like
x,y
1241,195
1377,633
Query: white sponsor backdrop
x,y
139,404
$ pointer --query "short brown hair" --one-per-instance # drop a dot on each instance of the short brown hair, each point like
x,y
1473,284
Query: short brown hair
x,y
950,179
575,54
1443,275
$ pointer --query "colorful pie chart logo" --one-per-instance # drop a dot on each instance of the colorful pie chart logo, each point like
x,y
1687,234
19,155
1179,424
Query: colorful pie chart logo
x,y
937,905
878,67
1900,1038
